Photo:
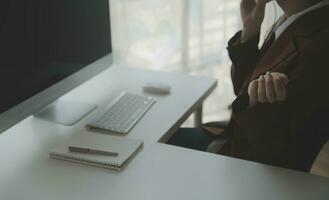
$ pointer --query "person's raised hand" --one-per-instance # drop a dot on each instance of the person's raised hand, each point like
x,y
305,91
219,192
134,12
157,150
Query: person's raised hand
x,y
268,88
252,15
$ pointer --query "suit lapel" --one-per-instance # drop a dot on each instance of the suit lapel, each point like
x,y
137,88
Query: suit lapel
x,y
282,51
286,47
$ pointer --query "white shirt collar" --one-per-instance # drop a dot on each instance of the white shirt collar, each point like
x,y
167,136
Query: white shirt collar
x,y
282,27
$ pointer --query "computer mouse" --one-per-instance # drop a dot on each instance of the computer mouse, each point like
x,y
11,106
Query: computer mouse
x,y
156,88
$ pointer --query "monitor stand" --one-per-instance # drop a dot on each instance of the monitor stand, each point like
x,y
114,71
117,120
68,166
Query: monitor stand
x,y
65,112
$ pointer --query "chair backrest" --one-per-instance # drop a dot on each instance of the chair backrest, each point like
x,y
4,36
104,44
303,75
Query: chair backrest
x,y
310,142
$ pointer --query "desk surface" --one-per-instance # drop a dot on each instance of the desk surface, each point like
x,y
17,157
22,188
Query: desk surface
x,y
158,172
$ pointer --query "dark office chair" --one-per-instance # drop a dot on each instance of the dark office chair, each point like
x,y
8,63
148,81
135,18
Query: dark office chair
x,y
309,142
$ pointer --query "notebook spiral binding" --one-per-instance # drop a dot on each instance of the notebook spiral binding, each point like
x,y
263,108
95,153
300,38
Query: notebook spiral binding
x,y
85,161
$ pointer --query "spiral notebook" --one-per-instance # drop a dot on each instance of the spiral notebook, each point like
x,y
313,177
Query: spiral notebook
x,y
126,148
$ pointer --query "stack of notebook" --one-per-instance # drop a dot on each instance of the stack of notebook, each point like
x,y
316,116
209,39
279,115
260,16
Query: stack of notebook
x,y
101,150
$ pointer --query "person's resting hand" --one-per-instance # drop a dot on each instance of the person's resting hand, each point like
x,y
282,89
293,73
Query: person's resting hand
x,y
268,88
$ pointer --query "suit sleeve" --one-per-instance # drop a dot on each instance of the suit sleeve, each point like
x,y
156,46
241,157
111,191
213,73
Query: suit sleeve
x,y
272,128
244,57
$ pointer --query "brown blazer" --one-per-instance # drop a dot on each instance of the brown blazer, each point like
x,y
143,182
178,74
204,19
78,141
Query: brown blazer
x,y
267,132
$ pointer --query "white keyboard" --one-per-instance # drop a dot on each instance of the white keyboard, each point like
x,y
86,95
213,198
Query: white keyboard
x,y
123,114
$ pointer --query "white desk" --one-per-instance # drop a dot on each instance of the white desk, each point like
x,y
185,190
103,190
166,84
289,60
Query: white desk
x,y
158,172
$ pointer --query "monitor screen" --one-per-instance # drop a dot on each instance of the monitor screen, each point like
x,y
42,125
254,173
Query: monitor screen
x,y
43,42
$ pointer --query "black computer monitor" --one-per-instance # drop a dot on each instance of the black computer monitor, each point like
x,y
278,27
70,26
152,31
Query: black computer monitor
x,y
48,47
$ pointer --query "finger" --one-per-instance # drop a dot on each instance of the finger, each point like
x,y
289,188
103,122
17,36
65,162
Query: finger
x,y
252,91
281,76
269,86
261,92
247,4
260,7
284,79
280,89
262,1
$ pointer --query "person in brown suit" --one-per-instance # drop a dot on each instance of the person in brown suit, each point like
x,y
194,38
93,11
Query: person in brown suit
x,y
278,87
